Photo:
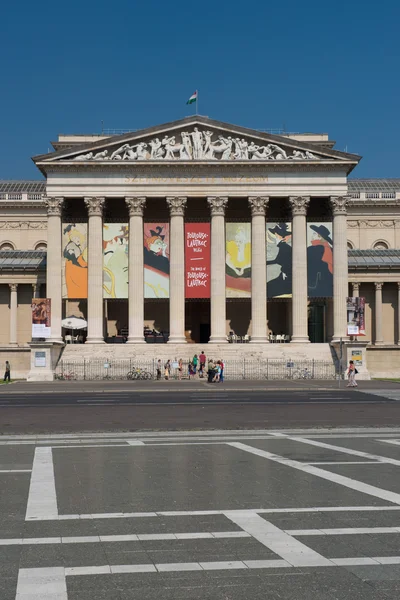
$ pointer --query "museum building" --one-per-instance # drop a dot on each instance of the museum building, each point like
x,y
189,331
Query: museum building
x,y
197,232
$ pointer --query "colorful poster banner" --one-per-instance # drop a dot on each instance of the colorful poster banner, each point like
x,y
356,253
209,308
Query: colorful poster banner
x,y
41,317
319,260
279,260
156,260
238,260
355,315
115,260
197,260
75,267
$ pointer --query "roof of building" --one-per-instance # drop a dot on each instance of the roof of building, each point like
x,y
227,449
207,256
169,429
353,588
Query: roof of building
x,y
22,260
374,259
373,185
36,187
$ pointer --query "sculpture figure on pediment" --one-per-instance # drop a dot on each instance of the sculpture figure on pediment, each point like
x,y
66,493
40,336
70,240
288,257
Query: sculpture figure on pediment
x,y
310,155
171,148
101,155
244,146
280,152
260,152
130,153
207,143
187,144
197,141
141,151
119,153
297,155
88,156
157,150
237,155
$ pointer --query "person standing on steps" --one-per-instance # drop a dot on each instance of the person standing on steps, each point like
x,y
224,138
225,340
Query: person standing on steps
x,y
7,373
159,369
202,361
195,361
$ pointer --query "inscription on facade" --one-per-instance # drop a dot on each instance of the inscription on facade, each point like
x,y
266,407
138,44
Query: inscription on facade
x,y
238,179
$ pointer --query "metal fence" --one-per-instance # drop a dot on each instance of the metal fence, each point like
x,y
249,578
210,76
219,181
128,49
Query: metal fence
x,y
247,368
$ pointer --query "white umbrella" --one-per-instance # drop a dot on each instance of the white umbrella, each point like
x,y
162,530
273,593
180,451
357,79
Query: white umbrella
x,y
74,323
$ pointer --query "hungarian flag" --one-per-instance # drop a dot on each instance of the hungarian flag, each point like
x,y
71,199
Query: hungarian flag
x,y
193,98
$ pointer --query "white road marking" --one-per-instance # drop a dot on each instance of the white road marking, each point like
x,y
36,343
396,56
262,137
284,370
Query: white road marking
x,y
353,484
16,471
348,462
284,545
343,531
42,499
394,442
42,584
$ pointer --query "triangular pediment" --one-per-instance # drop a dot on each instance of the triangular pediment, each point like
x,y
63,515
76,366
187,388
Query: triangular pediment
x,y
198,139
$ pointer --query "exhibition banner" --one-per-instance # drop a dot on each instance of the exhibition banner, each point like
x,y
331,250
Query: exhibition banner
x,y
238,260
75,267
41,317
355,315
197,260
156,260
319,260
279,260
115,260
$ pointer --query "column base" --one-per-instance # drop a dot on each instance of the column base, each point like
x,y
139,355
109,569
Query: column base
x,y
217,340
379,343
95,341
300,340
177,339
135,340
13,344
259,340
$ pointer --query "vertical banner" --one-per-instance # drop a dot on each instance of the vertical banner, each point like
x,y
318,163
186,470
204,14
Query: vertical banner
x,y
279,260
197,260
319,260
115,260
41,317
75,268
355,315
156,260
238,260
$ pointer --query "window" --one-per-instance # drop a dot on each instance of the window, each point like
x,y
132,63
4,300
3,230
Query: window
x,y
41,246
350,246
381,245
7,246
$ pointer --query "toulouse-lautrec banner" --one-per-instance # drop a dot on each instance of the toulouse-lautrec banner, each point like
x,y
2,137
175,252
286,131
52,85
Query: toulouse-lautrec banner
x,y
197,260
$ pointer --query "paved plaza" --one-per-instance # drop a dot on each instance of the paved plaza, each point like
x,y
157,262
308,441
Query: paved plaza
x,y
222,515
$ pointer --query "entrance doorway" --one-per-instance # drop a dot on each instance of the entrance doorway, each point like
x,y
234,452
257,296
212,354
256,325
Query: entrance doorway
x,y
316,323
197,321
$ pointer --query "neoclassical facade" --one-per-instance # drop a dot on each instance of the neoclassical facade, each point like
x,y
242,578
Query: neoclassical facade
x,y
280,233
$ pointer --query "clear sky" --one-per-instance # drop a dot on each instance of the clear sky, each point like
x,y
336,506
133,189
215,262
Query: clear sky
x,y
310,66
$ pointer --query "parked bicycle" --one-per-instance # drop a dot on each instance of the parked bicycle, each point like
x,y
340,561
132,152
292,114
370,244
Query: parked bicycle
x,y
302,374
136,374
65,375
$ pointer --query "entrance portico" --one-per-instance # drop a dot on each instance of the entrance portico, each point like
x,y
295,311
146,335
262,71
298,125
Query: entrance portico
x,y
244,175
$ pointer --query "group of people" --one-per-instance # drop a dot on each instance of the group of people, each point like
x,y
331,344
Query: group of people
x,y
196,366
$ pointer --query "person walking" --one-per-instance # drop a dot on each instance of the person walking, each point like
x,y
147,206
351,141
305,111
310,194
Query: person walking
x,y
221,375
202,363
195,361
159,369
351,374
180,369
167,369
7,374
217,372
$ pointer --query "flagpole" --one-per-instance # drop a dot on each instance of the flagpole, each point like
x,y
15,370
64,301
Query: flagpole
x,y
197,102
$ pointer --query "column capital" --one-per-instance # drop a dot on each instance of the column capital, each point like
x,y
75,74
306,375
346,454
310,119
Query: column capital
x,y
135,205
378,285
217,204
339,205
355,285
176,205
299,204
398,285
54,206
95,206
258,205
13,287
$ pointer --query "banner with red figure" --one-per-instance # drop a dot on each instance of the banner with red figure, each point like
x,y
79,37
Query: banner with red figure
x,y
197,260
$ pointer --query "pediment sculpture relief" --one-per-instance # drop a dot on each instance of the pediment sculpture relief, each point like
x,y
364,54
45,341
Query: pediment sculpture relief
x,y
197,145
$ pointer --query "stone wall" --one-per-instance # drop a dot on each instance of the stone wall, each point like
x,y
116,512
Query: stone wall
x,y
383,361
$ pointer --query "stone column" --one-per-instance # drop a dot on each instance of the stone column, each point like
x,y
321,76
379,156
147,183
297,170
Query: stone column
x,y
135,277
356,289
34,290
176,271
95,270
258,270
299,206
340,267
13,313
378,314
398,313
218,253
54,265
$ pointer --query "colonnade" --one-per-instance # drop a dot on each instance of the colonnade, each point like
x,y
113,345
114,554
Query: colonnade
x,y
258,206
378,312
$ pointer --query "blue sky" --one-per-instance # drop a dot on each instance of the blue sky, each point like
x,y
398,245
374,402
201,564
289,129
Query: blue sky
x,y
306,65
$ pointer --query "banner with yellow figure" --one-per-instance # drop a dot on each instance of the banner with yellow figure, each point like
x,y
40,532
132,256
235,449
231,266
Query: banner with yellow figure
x,y
238,260
75,266
115,260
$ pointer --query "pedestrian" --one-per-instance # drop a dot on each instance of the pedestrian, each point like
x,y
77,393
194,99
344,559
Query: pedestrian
x,y
195,361
217,372
202,365
191,371
210,371
7,373
159,369
221,375
167,369
180,369
351,374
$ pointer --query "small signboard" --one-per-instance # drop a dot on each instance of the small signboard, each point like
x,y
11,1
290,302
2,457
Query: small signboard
x,y
40,358
356,357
